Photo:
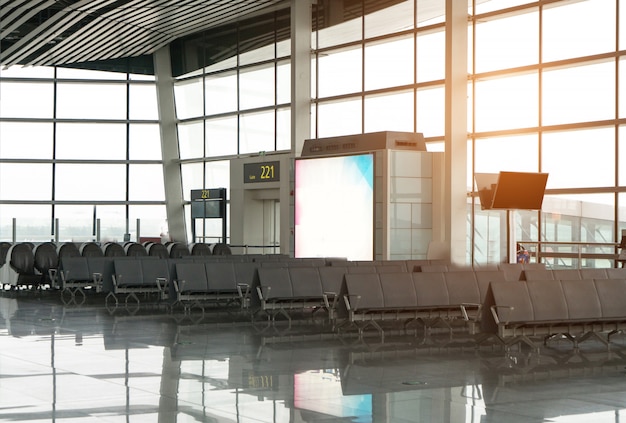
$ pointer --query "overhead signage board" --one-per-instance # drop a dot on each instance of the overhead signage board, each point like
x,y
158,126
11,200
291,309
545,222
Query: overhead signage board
x,y
261,172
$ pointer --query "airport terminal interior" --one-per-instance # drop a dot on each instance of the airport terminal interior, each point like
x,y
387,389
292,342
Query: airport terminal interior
x,y
312,211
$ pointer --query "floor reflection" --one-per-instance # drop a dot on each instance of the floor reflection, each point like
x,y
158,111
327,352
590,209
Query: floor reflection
x,y
69,363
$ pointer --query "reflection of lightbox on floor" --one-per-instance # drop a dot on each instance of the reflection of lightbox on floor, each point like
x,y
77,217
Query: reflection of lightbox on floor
x,y
334,207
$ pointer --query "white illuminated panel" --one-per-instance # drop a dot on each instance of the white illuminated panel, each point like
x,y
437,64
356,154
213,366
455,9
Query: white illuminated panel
x,y
334,207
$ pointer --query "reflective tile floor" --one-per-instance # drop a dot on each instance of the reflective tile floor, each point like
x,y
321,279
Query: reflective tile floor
x,y
85,364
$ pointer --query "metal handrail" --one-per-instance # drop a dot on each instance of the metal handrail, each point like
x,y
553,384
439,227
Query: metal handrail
x,y
540,252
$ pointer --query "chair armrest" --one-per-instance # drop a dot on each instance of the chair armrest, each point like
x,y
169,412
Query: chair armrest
x,y
179,285
494,312
52,274
162,283
349,306
263,292
327,295
243,289
465,306
97,281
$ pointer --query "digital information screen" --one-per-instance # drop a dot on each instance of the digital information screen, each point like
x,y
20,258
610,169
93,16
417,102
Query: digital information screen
x,y
261,172
208,203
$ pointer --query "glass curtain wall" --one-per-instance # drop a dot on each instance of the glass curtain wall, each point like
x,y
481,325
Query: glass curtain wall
x,y
545,98
80,155
232,95
544,95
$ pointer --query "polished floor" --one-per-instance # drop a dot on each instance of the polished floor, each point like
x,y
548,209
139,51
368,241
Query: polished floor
x,y
89,364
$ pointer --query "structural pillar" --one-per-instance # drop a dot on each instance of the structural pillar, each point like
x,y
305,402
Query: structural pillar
x,y
301,15
455,192
169,146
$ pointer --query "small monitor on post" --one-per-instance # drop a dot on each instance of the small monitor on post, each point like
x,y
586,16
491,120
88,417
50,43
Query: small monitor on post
x,y
512,190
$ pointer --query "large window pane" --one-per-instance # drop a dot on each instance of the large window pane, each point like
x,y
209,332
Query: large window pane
x,y
256,87
621,163
431,56
86,74
507,103
192,175
389,63
26,140
221,93
339,118
518,153
391,112
340,72
112,222
91,101
188,96
145,183
257,132
507,42
578,29
283,129
398,17
17,99
283,80
584,218
621,94
569,96
191,140
90,182
431,111
152,221
260,54
583,158
33,222
76,223
489,236
95,141
218,175
221,136
145,142
339,27
490,6
143,102
26,181
27,72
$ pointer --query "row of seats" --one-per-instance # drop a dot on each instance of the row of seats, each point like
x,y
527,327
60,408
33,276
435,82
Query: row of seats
x,y
424,297
575,308
26,264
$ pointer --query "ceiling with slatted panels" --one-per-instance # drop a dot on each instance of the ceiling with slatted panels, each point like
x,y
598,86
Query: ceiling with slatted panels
x,y
62,32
